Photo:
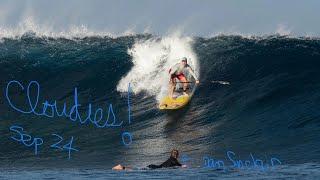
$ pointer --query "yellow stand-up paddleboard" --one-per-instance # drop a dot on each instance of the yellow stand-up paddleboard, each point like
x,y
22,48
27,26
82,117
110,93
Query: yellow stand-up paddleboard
x,y
174,103
178,100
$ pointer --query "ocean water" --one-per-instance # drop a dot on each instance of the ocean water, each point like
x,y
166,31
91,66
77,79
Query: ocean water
x,y
302,171
263,125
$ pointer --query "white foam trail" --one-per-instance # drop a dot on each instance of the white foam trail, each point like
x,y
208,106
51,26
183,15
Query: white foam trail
x,y
151,61
221,82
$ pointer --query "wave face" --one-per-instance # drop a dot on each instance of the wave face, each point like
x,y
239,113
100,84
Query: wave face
x,y
270,108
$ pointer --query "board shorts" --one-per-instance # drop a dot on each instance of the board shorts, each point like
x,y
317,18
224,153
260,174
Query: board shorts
x,y
178,76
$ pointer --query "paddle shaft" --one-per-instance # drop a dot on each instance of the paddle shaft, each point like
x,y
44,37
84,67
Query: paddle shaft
x,y
185,82
219,82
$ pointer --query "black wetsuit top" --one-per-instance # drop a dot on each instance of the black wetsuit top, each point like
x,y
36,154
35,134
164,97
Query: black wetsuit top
x,y
171,162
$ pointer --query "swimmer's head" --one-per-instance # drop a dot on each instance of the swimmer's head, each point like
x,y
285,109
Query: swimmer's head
x,y
174,153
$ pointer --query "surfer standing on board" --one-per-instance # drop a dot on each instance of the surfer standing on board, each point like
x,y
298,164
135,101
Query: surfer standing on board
x,y
178,71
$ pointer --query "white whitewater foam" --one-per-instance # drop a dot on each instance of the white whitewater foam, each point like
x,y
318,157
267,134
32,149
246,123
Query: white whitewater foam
x,y
46,30
283,30
30,24
151,61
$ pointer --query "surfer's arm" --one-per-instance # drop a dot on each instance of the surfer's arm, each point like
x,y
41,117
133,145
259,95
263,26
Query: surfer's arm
x,y
173,69
192,73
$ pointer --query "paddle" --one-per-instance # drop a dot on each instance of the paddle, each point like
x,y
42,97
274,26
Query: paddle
x,y
186,82
219,82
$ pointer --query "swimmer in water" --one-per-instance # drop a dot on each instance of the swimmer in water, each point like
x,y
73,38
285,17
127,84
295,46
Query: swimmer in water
x,y
171,162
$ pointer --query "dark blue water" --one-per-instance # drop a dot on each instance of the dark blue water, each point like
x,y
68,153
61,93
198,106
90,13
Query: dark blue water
x,y
305,171
269,110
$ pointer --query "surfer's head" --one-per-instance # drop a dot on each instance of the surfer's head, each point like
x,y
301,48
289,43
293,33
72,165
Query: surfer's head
x,y
174,153
184,61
